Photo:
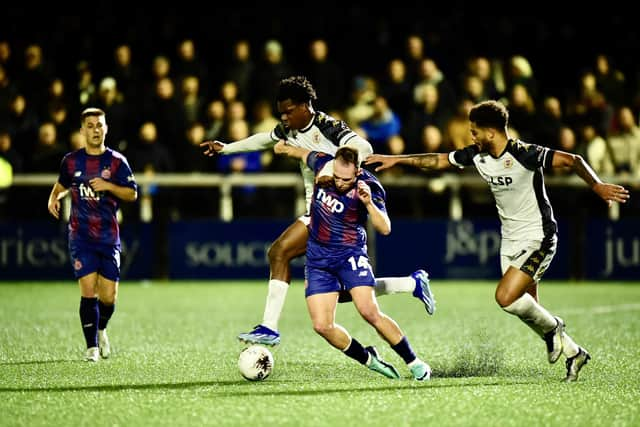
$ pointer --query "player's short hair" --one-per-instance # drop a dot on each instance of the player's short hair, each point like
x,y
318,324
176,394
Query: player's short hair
x,y
489,114
296,88
91,111
348,155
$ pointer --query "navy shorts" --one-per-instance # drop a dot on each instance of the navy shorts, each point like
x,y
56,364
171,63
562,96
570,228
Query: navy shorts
x,y
87,258
340,275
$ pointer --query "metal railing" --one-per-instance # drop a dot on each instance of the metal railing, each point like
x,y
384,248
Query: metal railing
x,y
453,182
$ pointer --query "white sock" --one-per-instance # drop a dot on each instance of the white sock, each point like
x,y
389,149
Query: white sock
x,y
569,346
392,285
533,314
275,301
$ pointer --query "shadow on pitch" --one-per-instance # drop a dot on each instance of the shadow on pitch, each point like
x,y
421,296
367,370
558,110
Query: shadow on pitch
x,y
38,362
254,389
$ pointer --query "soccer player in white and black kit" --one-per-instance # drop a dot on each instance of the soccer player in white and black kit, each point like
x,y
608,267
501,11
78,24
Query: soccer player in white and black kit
x,y
514,172
302,126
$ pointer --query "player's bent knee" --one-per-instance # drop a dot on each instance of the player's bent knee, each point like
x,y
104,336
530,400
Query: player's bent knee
x,y
323,329
371,315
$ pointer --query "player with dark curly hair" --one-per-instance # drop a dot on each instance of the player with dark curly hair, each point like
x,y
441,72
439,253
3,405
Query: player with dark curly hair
x,y
302,126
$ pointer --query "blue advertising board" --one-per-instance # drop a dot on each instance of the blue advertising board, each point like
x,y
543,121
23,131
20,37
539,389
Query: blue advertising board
x,y
38,251
613,249
215,250
453,250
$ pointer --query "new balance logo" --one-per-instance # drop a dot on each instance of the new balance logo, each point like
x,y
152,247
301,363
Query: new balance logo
x,y
335,205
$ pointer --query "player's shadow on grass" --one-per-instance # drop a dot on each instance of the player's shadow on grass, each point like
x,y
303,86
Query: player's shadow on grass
x,y
254,388
38,362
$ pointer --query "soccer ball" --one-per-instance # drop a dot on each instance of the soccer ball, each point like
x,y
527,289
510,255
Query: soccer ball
x,y
255,363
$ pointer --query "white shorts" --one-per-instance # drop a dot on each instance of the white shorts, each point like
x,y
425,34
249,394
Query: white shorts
x,y
531,257
305,219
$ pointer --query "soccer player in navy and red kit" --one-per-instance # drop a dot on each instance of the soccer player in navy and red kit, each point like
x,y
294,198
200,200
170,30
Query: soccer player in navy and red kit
x,y
337,257
98,178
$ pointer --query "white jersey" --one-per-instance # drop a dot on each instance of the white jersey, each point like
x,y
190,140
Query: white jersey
x,y
324,134
517,182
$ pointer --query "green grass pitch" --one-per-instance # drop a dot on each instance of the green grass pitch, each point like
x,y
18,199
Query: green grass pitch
x,y
175,354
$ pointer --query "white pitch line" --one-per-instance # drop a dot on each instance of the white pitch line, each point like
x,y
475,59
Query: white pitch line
x,y
604,309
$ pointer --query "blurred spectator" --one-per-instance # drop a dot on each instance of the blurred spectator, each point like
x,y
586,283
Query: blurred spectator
x,y
610,81
598,151
215,120
625,143
22,124
521,72
110,100
48,152
188,63
241,69
457,133
192,101
326,76
363,93
522,111
86,89
34,77
397,88
548,122
76,140
273,68
381,125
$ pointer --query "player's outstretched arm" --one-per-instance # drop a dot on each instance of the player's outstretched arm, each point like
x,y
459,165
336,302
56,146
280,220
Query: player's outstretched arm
x,y
289,150
426,161
608,192
258,142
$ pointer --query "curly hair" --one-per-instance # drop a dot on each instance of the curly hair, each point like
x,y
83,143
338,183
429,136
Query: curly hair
x,y
296,88
491,114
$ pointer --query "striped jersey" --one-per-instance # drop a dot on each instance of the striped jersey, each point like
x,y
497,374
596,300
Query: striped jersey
x,y
324,134
517,182
338,220
93,213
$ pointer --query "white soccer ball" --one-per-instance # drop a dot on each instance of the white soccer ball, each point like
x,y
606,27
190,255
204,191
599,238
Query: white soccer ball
x,y
255,363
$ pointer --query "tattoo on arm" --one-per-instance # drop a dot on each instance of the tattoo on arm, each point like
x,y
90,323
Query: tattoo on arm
x,y
426,161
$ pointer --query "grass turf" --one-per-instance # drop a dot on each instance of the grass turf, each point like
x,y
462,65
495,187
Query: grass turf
x,y
175,353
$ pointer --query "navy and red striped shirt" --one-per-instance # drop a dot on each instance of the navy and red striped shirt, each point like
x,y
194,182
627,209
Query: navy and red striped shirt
x,y
93,213
338,220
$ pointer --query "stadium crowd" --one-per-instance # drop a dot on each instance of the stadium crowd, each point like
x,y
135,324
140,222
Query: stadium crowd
x,y
411,97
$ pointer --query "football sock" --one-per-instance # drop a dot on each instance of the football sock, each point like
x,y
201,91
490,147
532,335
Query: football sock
x,y
404,350
275,301
533,314
392,285
89,319
356,351
106,311
569,346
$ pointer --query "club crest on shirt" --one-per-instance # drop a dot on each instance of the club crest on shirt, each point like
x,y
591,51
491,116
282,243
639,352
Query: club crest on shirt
x,y
77,265
105,174
508,163
77,173
316,137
